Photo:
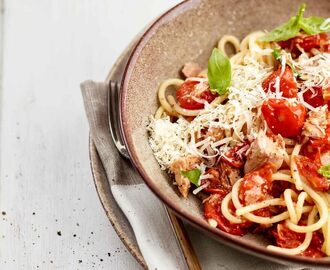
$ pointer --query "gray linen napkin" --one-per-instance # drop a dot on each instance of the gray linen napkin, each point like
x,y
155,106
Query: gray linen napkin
x,y
144,211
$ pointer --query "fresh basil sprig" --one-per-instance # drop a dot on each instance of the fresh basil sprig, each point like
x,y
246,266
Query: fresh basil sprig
x,y
277,53
192,175
311,25
325,171
219,72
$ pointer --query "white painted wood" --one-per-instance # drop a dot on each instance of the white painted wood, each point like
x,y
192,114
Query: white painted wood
x,y
46,188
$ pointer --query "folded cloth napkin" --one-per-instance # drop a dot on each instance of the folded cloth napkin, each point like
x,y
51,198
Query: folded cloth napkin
x,y
145,212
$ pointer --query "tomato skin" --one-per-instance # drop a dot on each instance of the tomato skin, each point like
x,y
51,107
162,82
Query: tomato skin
x,y
315,248
308,168
307,43
234,157
212,210
256,187
284,118
288,85
314,148
314,96
286,238
187,91
214,185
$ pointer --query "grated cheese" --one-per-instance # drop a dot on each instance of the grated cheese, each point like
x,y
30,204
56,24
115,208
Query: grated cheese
x,y
170,141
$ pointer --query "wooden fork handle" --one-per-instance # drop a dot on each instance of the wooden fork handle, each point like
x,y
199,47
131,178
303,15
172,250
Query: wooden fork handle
x,y
184,242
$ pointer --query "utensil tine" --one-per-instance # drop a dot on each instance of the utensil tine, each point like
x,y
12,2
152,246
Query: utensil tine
x,y
113,110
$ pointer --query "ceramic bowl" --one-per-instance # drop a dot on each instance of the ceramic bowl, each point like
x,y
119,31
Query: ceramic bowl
x,y
185,33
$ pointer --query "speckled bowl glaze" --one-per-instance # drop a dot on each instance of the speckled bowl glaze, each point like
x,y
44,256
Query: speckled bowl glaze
x,y
188,32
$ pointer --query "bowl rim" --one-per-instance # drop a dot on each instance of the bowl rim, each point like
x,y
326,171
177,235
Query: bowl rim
x,y
213,232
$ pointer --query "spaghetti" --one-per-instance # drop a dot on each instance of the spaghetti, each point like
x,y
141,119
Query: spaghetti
x,y
259,146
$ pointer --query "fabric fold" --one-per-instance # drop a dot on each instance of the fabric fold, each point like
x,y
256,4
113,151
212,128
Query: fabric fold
x,y
143,210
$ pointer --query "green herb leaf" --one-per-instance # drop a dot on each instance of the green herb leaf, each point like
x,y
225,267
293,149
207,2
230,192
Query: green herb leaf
x,y
325,171
277,53
315,25
311,25
219,72
192,175
287,30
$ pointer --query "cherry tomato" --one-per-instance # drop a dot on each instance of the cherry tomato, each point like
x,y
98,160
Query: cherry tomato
x,y
306,42
214,185
288,86
236,156
308,168
284,118
314,96
314,149
315,248
256,187
212,210
326,48
192,98
310,42
286,238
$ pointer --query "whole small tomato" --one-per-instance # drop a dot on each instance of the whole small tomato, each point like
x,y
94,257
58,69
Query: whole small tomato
x,y
191,97
283,117
288,85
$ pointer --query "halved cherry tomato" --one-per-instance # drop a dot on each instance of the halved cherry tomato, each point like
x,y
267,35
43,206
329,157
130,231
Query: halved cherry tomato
x,y
236,156
314,96
286,238
221,178
214,185
212,210
310,42
308,168
288,86
316,149
306,42
256,187
191,97
259,181
284,118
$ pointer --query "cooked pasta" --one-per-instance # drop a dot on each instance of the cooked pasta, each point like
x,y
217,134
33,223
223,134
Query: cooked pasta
x,y
252,132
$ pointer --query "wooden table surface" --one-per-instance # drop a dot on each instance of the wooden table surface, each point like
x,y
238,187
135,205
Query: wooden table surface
x,y
51,217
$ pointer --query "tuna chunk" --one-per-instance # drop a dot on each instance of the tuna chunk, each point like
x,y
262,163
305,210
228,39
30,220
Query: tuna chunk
x,y
228,175
191,70
184,164
316,123
215,133
265,149
222,177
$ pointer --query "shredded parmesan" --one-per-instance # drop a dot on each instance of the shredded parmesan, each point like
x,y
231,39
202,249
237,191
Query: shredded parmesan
x,y
170,141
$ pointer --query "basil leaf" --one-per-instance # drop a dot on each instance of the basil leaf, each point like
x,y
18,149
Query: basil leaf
x,y
311,26
287,30
277,54
283,32
192,175
315,25
325,171
219,72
